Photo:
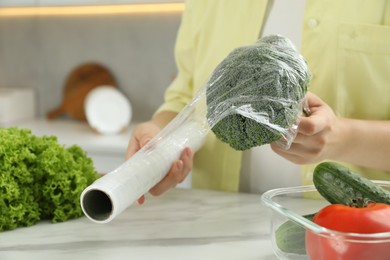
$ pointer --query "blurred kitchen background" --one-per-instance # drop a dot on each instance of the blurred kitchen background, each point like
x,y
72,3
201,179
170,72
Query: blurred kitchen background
x,y
40,46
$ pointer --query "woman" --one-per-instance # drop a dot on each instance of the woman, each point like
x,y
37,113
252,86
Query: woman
x,y
345,43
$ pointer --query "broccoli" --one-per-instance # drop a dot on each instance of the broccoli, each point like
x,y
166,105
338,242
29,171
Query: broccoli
x,y
40,179
255,94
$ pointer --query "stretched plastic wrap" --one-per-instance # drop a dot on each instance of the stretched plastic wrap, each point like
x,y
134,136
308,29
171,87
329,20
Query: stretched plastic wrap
x,y
253,97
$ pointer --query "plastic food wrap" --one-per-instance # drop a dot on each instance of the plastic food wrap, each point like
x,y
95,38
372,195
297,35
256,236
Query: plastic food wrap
x,y
107,197
253,97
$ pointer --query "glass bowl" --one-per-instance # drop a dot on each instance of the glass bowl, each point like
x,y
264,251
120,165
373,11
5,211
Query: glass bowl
x,y
290,205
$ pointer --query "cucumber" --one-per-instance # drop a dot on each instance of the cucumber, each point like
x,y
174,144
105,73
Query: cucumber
x,y
290,237
338,184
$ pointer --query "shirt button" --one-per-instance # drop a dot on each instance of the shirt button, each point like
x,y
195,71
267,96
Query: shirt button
x,y
312,23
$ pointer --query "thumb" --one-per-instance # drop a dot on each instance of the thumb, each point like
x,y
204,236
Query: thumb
x,y
144,140
135,145
132,148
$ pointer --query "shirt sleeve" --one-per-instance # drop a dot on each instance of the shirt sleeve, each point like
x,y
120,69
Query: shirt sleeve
x,y
180,92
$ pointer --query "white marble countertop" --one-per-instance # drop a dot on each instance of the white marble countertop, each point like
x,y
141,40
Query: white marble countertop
x,y
180,224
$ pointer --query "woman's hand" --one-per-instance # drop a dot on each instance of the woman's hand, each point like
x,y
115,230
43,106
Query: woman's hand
x,y
324,136
141,135
319,135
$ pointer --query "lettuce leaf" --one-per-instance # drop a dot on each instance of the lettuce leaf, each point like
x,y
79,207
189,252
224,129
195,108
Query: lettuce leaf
x,y
40,179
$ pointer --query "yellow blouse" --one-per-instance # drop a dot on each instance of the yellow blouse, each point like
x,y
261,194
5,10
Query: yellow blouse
x,y
345,42
209,31
347,46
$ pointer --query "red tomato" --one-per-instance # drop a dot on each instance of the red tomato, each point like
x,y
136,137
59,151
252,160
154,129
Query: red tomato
x,y
374,218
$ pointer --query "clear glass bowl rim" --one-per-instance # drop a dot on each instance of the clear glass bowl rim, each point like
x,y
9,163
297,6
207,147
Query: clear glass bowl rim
x,y
267,199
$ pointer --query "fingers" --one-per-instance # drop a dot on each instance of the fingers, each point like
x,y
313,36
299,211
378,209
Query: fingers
x,y
133,147
313,100
141,200
292,157
178,172
298,153
313,132
141,135
317,120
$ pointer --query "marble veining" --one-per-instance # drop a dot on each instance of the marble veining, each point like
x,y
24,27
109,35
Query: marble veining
x,y
181,224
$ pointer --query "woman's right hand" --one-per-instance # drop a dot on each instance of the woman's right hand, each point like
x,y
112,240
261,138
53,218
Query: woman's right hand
x,y
180,168
141,135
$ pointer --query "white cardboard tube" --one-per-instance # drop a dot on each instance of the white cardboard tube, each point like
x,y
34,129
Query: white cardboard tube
x,y
110,195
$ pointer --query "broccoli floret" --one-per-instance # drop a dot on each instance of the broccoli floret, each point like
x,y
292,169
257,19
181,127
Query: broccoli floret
x,y
255,93
40,179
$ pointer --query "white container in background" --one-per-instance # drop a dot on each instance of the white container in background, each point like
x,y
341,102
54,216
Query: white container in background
x,y
108,110
16,104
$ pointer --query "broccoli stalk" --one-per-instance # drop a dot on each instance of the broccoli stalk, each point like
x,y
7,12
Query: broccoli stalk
x,y
40,179
255,94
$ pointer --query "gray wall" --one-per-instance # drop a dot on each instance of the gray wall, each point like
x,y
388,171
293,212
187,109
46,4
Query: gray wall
x,y
40,52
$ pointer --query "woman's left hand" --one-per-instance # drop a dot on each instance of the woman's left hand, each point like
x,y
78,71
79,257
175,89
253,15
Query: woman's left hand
x,y
318,136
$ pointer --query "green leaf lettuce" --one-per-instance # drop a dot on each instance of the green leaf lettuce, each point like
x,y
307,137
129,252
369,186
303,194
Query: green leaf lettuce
x,y
40,179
